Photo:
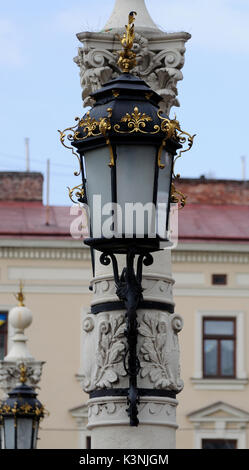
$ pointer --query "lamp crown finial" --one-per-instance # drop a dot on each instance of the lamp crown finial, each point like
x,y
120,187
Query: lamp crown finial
x,y
23,373
127,58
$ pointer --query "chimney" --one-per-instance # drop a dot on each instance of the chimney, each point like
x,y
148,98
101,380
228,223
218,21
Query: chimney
x,y
21,186
214,191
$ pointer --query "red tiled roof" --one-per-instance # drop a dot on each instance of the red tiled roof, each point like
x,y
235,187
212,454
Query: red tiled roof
x,y
196,222
214,222
24,219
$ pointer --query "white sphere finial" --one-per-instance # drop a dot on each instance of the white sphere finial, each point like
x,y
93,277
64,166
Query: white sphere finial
x,y
20,318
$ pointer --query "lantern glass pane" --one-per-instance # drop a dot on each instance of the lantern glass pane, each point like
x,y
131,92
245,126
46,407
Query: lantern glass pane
x,y
9,433
163,194
24,433
1,437
135,186
35,435
99,192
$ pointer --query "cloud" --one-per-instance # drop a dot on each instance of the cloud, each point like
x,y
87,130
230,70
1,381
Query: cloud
x,y
217,25
10,51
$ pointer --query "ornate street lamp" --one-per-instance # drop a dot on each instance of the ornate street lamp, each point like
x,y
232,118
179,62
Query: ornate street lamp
x,y
20,415
126,148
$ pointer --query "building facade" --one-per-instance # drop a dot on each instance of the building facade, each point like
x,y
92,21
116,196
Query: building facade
x,y
210,267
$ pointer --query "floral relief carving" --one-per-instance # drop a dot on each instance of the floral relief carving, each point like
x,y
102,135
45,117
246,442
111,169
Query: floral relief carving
x,y
111,347
156,357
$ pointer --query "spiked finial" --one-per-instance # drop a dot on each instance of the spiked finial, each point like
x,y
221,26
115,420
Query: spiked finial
x,y
20,295
127,58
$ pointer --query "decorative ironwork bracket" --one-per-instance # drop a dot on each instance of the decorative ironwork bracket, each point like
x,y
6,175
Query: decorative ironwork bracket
x,y
129,290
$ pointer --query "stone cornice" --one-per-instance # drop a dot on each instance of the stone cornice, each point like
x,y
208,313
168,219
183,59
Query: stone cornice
x,y
45,253
155,38
228,257
234,255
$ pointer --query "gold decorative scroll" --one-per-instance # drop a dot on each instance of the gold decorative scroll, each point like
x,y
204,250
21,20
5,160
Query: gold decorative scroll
x,y
63,135
182,141
79,192
91,127
173,130
177,197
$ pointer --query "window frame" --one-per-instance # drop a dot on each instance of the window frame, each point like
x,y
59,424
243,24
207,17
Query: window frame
x,y
5,331
240,382
219,338
235,441
215,277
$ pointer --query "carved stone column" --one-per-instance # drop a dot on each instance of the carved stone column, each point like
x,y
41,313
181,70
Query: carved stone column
x,y
160,55
103,375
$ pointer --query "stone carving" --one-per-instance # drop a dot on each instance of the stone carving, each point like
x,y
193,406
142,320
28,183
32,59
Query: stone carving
x,y
157,360
177,323
96,409
96,68
161,69
112,410
158,351
159,290
111,347
10,374
107,366
88,324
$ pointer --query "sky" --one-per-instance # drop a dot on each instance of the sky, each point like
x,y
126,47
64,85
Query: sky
x,y
40,88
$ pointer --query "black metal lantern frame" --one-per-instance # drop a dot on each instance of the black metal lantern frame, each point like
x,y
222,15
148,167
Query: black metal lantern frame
x,y
20,415
123,138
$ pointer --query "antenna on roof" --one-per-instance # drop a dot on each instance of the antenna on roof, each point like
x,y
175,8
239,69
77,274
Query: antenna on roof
x,y
243,161
48,180
27,153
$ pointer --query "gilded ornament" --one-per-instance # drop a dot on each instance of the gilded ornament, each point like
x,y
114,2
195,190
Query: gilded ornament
x,y
23,373
136,122
89,125
20,295
79,194
26,408
92,128
63,135
115,93
177,197
127,58
148,96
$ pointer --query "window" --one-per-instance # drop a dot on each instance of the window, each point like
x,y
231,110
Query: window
x,y
219,346
88,442
3,334
219,444
219,279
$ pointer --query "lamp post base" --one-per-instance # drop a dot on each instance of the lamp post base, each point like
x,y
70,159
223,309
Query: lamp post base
x,y
129,290
110,429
